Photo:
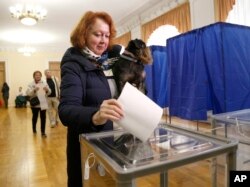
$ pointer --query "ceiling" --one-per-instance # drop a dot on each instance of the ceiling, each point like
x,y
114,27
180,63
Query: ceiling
x,y
62,16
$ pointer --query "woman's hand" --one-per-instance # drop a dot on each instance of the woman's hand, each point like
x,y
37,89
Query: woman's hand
x,y
36,89
109,110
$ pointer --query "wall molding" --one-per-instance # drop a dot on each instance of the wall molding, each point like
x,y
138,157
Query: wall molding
x,y
132,21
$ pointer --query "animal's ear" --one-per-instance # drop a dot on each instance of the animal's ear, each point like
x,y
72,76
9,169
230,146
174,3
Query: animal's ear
x,y
135,45
139,44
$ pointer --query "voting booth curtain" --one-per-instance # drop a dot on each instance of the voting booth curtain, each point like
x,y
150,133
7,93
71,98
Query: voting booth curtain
x,y
157,76
208,69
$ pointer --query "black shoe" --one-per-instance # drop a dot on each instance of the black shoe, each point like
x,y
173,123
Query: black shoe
x,y
44,135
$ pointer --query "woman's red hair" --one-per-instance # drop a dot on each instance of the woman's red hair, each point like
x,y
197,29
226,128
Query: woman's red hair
x,y
79,34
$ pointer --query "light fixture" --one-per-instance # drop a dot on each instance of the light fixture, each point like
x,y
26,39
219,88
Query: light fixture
x,y
28,14
26,50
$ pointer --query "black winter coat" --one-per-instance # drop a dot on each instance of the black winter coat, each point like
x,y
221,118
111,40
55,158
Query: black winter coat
x,y
5,91
83,89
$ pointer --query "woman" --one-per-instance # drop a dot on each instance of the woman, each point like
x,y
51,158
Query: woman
x,y
86,103
5,92
40,89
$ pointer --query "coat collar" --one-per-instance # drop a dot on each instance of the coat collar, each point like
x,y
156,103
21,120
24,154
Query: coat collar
x,y
75,55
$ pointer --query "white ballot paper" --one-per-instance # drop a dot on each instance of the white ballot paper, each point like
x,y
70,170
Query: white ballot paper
x,y
141,114
42,97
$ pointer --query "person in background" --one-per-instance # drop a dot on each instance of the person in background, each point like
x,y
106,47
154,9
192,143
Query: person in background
x,y
5,92
40,89
20,98
86,103
20,91
53,98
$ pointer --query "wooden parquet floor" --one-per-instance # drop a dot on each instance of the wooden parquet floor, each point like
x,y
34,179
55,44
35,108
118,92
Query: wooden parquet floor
x,y
28,160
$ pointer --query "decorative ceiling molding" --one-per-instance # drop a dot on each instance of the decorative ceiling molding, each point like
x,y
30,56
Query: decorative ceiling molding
x,y
129,25
155,11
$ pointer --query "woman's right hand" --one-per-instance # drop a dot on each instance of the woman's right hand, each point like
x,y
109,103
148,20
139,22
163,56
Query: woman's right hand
x,y
36,89
109,110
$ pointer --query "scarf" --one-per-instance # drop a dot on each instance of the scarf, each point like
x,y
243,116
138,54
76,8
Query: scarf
x,y
97,59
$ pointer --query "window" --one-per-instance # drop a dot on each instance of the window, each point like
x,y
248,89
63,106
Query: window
x,y
240,13
161,34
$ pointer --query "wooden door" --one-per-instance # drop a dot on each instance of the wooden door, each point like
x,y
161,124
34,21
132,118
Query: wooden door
x,y
54,67
2,76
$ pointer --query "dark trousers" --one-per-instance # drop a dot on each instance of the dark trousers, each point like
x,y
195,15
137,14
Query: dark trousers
x,y
74,160
6,101
35,112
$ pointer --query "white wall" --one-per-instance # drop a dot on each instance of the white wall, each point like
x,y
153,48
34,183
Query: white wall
x,y
19,69
136,32
202,12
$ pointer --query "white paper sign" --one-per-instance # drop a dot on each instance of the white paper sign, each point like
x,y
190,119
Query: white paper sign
x,y
42,97
141,116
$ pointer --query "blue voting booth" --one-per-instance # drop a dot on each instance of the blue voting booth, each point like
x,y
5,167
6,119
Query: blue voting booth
x,y
204,69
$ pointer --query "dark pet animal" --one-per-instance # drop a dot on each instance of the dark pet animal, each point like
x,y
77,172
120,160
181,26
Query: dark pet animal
x,y
129,66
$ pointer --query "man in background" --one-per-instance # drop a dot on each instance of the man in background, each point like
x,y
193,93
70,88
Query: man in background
x,y
53,98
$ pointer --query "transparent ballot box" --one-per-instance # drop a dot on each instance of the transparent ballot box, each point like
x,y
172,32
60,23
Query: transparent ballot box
x,y
236,125
126,158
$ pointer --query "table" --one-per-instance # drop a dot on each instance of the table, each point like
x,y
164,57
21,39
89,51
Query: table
x,y
239,119
125,157
236,125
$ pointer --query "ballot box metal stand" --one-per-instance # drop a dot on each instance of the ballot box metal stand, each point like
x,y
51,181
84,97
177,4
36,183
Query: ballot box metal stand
x,y
126,158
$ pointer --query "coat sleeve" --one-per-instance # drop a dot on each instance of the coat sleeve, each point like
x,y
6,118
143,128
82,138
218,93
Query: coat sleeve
x,y
72,111
57,86
49,90
31,90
